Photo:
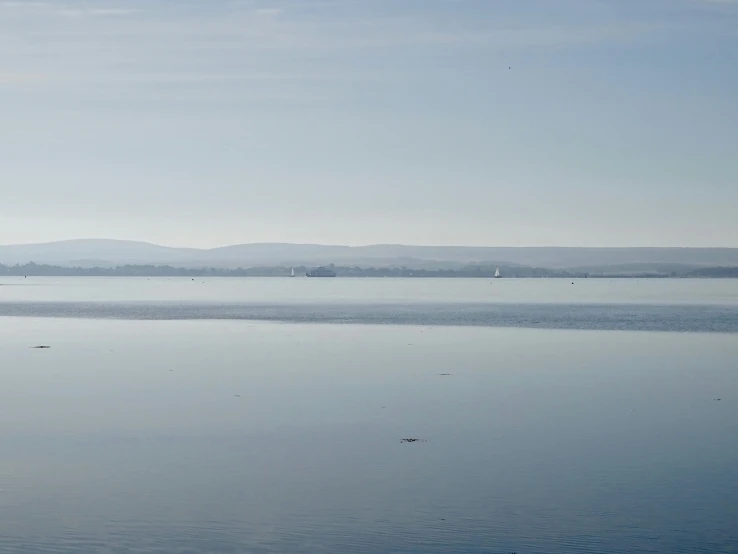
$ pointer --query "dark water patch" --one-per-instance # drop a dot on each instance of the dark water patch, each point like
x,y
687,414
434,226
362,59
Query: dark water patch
x,y
606,317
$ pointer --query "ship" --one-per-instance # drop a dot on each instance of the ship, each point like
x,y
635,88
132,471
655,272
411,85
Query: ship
x,y
497,273
321,272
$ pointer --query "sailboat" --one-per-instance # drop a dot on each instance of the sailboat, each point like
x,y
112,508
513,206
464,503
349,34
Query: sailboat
x,y
497,273
293,272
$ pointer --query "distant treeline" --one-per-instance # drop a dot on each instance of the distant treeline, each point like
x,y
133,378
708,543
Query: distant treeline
x,y
32,269
472,271
722,272
39,270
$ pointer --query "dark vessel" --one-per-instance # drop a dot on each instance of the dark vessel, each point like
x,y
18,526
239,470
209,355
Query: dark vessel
x,y
321,272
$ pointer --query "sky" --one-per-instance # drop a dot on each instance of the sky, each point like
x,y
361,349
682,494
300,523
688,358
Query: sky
x,y
451,122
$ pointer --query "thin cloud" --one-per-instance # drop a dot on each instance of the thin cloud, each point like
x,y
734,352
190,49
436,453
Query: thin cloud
x,y
269,12
96,12
274,27
14,5
48,9
20,78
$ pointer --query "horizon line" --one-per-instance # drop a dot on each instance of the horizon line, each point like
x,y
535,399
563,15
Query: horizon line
x,y
365,245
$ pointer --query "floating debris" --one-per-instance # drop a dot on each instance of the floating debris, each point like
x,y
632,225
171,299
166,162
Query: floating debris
x,y
41,346
444,374
237,395
413,440
717,399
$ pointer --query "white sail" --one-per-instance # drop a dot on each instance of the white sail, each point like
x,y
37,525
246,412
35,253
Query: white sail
x,y
497,272
293,272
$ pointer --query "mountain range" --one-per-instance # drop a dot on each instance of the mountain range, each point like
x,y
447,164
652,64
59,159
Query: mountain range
x,y
109,253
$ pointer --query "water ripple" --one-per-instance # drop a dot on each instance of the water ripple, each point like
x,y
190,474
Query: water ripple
x,y
613,317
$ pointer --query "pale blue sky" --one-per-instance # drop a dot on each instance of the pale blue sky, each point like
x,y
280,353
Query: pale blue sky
x,y
210,122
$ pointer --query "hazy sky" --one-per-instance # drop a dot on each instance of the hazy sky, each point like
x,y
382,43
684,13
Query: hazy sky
x,y
209,122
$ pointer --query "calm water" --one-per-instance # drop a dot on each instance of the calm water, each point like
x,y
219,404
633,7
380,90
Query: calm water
x,y
215,415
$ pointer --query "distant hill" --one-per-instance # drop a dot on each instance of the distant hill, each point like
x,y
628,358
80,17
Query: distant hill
x,y
116,252
112,251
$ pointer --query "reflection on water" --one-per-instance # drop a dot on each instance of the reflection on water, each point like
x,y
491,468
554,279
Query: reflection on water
x,y
270,291
237,436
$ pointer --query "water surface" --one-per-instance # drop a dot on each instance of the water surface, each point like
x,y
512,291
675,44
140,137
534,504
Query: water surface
x,y
229,435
